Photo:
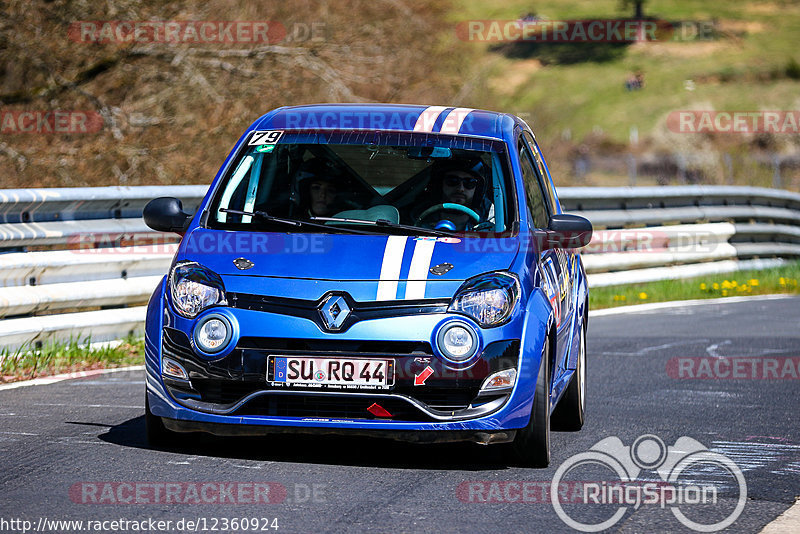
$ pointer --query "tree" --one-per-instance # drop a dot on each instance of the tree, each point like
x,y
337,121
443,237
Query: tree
x,y
638,6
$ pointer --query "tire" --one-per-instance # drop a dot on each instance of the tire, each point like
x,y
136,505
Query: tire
x,y
531,446
570,413
155,431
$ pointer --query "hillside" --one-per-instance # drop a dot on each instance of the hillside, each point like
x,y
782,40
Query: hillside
x,y
726,56
169,112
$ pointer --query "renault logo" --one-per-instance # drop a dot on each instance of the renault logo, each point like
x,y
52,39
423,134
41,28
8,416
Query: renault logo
x,y
334,312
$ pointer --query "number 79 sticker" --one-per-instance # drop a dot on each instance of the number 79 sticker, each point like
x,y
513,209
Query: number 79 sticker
x,y
268,137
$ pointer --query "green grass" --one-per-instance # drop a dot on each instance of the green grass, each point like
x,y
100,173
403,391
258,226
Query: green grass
x,y
782,279
747,67
75,355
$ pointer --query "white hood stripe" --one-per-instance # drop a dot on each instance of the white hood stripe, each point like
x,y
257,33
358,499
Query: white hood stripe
x,y
452,124
427,119
420,263
390,268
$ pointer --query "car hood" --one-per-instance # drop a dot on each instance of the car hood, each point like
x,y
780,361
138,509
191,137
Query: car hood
x,y
391,267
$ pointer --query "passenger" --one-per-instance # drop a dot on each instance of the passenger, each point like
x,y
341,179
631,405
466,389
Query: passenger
x,y
318,188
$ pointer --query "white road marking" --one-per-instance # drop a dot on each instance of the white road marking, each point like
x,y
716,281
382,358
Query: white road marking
x,y
681,303
786,523
711,350
68,376
90,405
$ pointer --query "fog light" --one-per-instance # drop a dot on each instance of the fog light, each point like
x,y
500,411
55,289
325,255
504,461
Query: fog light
x,y
500,380
173,369
212,334
457,342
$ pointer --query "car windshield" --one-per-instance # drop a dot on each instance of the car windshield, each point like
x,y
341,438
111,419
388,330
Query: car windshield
x,y
380,182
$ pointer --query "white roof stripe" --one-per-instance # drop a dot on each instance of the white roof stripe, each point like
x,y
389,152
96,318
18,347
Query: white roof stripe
x,y
452,124
427,119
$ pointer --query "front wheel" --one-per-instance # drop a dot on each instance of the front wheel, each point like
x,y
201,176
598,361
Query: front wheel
x,y
570,413
155,431
531,447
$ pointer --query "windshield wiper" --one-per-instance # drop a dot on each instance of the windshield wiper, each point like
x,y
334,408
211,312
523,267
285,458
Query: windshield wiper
x,y
263,215
389,224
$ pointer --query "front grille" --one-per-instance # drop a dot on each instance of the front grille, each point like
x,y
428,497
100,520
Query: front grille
x,y
224,391
445,399
334,347
359,311
330,406
176,343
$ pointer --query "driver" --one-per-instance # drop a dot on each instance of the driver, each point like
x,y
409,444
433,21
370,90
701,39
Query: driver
x,y
460,184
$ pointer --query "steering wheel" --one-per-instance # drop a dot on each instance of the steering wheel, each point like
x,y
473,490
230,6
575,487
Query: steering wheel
x,y
448,206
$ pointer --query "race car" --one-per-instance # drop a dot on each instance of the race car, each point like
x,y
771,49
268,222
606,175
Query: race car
x,y
386,270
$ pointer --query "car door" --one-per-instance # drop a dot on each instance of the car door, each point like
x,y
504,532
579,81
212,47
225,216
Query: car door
x,y
556,264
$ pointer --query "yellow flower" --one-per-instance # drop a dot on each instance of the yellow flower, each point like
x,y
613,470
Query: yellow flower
x,y
703,287
744,287
715,286
753,281
734,283
726,284
616,298
782,281
724,292
643,295
623,297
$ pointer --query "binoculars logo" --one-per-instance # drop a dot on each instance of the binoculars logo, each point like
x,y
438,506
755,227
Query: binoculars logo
x,y
685,458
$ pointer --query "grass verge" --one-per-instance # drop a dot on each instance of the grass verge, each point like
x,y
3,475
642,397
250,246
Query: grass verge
x,y
64,357
76,355
783,279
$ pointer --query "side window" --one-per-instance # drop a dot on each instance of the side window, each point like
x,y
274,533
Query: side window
x,y
537,206
541,171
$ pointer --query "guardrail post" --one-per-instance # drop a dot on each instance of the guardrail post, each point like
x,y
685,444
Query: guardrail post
x,y
776,171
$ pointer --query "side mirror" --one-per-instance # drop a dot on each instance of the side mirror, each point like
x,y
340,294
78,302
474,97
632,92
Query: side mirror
x,y
567,231
165,214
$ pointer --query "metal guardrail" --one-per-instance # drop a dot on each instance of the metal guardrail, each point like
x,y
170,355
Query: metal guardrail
x,y
71,267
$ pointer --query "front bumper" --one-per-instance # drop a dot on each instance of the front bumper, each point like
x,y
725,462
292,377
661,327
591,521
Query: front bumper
x,y
232,395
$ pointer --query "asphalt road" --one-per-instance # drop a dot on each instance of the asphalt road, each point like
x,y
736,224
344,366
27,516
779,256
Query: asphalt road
x,y
66,445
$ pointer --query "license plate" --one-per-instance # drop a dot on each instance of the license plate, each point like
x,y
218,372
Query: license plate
x,y
331,372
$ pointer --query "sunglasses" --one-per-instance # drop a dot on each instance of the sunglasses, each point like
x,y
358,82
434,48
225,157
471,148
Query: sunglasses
x,y
467,182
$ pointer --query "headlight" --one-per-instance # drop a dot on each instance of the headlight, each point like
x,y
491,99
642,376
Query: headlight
x,y
457,342
212,333
195,288
489,299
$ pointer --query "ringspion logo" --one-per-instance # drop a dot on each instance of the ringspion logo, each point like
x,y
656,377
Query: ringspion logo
x,y
681,483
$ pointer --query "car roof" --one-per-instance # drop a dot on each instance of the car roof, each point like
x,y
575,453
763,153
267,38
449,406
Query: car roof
x,y
394,117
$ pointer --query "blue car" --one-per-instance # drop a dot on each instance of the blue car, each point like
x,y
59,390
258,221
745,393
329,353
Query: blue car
x,y
384,270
